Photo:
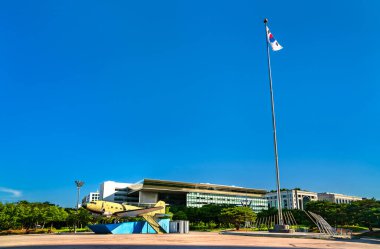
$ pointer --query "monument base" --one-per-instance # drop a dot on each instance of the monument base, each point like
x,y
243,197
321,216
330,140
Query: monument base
x,y
281,229
129,227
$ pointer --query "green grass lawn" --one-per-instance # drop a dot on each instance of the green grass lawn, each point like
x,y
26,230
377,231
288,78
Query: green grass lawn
x,y
24,231
68,230
355,229
45,230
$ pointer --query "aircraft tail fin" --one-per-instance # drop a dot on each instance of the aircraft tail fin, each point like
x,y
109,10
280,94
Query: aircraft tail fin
x,y
160,204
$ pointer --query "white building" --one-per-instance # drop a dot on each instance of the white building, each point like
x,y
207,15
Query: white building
x,y
291,199
149,191
92,196
114,191
338,198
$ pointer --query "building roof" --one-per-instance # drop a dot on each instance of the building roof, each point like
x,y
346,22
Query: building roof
x,y
301,192
175,186
340,195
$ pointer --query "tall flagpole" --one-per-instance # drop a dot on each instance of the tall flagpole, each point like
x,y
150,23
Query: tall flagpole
x,y
279,202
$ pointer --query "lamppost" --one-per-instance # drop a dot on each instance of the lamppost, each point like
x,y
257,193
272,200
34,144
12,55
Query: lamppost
x,y
79,184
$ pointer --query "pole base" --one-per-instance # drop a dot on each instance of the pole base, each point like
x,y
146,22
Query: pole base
x,y
281,229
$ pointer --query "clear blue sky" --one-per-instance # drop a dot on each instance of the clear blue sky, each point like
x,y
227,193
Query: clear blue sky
x,y
178,90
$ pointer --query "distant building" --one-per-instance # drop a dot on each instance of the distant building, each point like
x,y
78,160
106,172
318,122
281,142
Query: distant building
x,y
297,199
291,199
338,198
149,191
92,196
115,191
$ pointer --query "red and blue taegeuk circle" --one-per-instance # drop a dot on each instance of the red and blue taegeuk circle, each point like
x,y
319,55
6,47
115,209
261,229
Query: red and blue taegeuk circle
x,y
271,38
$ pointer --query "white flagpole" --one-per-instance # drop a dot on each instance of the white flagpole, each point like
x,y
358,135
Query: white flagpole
x,y
279,202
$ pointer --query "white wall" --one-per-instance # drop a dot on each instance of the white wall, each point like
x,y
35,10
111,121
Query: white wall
x,y
148,197
108,189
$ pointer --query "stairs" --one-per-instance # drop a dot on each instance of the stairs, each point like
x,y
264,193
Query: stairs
x,y
154,224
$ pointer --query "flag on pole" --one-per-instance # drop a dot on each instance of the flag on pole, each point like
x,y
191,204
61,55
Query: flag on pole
x,y
273,42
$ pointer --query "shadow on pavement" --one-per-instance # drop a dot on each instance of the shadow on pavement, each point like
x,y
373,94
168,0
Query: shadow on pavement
x,y
364,240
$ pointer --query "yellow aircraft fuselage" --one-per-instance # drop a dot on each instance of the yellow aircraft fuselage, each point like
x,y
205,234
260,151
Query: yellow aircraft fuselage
x,y
107,208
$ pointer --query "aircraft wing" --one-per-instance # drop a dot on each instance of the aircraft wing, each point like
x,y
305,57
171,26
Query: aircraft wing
x,y
137,212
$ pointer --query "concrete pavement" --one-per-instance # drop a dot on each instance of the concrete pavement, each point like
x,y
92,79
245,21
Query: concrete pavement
x,y
193,240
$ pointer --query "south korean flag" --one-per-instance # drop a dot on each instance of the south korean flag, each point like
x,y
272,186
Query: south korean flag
x,y
273,42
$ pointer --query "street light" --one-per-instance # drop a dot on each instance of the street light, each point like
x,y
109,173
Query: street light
x,y
79,184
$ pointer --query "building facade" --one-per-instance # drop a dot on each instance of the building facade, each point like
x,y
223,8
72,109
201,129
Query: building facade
x,y
114,191
291,199
149,191
338,198
92,196
297,199
199,199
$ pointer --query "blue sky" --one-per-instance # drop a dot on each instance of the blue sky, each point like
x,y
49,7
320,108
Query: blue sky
x,y
178,90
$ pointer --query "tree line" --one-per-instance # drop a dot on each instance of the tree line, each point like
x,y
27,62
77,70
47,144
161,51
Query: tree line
x,y
27,216
31,215
365,213
213,216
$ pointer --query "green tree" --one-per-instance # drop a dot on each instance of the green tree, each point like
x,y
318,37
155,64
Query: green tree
x,y
55,214
84,217
328,210
71,217
365,213
269,212
11,216
193,214
4,217
211,213
237,215
180,215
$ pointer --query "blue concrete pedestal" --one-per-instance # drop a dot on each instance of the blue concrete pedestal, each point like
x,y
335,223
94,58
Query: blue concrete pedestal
x,y
128,227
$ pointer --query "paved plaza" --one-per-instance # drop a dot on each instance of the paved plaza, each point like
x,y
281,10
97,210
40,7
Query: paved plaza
x,y
193,240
